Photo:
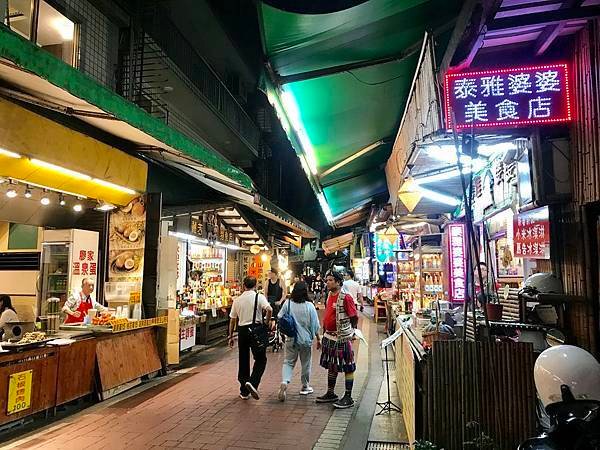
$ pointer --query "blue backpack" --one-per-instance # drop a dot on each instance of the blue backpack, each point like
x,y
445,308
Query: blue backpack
x,y
287,323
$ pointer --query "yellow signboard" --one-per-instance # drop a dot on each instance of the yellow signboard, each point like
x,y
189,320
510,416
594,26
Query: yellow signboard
x,y
19,392
135,297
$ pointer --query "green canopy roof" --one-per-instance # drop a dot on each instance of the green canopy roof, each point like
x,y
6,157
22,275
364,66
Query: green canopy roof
x,y
349,74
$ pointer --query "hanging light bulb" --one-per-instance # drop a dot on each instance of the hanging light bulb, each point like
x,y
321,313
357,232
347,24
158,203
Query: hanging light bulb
x,y
77,207
11,193
28,192
61,200
45,200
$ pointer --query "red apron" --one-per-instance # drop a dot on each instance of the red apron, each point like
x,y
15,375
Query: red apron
x,y
83,309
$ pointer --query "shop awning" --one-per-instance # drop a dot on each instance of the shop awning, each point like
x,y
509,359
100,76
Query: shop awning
x,y
37,151
33,71
32,74
337,243
342,80
236,193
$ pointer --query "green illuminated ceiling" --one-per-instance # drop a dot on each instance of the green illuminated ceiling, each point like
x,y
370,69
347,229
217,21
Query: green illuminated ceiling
x,y
349,108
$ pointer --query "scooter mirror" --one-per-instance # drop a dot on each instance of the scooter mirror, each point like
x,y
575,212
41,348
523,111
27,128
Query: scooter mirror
x,y
555,337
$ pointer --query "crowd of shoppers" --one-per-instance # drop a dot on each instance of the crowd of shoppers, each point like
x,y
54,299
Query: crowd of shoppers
x,y
252,310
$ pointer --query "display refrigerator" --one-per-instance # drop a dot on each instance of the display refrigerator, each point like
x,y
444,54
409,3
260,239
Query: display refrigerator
x,y
68,257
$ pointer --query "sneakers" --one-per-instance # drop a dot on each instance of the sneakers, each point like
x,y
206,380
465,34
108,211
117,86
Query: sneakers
x,y
253,391
306,390
345,402
282,392
329,397
244,397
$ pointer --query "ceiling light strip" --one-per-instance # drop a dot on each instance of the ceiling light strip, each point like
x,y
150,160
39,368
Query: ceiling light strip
x,y
352,157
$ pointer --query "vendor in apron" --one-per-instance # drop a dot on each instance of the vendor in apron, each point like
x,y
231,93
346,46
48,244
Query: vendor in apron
x,y
77,305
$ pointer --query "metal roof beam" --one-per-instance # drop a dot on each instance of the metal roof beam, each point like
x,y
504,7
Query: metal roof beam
x,y
551,32
546,18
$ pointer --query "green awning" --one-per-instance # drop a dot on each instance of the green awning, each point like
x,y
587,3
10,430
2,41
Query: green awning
x,y
31,59
348,75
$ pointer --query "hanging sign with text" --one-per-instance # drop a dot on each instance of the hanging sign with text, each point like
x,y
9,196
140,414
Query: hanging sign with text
x,y
457,249
532,234
511,97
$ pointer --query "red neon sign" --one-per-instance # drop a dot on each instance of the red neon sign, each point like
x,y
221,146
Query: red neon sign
x,y
510,97
457,252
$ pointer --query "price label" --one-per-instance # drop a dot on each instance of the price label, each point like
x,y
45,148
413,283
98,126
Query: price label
x,y
135,297
19,392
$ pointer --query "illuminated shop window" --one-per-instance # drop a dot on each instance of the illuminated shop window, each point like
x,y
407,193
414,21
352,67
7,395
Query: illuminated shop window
x,y
40,22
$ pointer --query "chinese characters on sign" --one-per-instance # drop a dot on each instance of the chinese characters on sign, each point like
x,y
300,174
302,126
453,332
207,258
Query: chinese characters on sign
x,y
508,97
87,263
19,392
187,335
532,234
457,262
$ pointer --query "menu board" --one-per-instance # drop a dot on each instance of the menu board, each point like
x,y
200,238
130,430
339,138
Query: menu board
x,y
126,241
532,234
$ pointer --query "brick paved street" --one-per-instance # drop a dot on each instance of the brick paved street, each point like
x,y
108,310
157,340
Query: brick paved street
x,y
198,409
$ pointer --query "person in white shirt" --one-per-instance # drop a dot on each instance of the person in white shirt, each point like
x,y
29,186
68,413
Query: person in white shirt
x,y
242,313
80,302
352,288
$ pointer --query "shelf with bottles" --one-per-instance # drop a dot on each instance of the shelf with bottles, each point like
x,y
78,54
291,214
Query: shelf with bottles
x,y
431,262
406,266
205,253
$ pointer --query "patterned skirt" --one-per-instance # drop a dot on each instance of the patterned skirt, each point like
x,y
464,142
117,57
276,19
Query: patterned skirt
x,y
337,356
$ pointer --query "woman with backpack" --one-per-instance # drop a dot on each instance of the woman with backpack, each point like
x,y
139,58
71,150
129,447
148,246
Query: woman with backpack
x,y
299,320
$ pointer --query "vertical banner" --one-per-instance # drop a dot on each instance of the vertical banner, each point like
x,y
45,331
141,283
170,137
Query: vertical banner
x,y
127,242
532,234
457,262
84,258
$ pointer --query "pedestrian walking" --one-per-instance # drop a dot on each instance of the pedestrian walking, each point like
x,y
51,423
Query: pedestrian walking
x,y
352,288
339,322
305,316
247,312
317,288
276,290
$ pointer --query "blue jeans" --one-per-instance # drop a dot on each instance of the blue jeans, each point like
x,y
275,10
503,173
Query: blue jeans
x,y
291,356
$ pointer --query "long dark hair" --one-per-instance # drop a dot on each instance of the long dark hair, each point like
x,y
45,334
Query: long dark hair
x,y
6,303
300,292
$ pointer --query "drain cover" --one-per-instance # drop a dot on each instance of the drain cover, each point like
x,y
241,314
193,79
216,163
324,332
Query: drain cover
x,y
371,445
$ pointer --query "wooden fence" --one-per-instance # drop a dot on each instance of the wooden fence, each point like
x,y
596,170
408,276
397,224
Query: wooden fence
x,y
496,391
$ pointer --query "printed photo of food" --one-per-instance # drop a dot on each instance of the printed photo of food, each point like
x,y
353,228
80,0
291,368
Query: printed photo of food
x,y
128,263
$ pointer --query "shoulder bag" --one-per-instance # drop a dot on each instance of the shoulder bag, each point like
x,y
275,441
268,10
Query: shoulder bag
x,y
258,332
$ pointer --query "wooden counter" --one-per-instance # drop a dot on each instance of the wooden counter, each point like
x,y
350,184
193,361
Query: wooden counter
x,y
124,358
76,368
43,362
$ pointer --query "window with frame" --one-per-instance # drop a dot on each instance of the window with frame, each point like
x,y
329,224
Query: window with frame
x,y
38,21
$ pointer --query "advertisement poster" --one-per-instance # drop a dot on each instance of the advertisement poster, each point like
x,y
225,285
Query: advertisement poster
x,y
531,232
126,244
500,229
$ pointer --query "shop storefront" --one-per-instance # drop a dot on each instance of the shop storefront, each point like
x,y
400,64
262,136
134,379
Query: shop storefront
x,y
72,209
211,251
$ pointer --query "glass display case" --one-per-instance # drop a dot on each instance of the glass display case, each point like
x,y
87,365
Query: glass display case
x,y
54,274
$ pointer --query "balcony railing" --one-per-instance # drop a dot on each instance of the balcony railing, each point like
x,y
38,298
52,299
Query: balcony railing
x,y
170,43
